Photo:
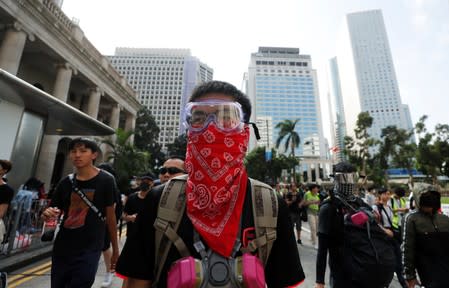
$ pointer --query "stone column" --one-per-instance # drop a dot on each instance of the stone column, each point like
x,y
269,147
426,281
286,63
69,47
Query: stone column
x,y
317,172
309,173
94,102
114,121
130,125
62,82
11,49
115,116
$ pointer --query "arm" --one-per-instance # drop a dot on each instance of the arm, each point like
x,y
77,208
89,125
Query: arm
x,y
3,209
112,229
408,247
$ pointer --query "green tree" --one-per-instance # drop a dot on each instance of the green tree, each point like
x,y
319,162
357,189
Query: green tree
x,y
127,159
178,147
290,137
267,171
357,149
146,135
395,149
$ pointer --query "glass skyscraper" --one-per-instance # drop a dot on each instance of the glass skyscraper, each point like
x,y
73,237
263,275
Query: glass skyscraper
x,y
283,85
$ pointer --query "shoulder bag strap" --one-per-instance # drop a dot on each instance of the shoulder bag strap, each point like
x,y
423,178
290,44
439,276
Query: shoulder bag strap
x,y
169,214
386,214
265,210
86,200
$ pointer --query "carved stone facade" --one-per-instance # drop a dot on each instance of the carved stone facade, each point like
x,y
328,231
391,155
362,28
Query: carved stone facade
x,y
41,47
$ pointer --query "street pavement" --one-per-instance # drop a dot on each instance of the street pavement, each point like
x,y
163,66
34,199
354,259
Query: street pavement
x,y
39,277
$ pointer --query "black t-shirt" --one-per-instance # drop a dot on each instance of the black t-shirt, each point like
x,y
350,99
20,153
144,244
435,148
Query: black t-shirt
x,y
82,229
133,205
137,259
297,198
6,194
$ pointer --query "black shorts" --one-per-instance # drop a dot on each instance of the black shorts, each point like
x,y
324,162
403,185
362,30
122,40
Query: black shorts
x,y
296,220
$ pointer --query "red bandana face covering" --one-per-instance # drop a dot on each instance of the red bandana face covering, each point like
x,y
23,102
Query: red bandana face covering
x,y
216,185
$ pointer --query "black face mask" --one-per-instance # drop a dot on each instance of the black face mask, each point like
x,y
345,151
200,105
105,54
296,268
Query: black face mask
x,y
144,186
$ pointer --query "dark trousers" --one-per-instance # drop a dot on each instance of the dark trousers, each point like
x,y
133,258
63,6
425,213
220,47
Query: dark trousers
x,y
74,271
399,269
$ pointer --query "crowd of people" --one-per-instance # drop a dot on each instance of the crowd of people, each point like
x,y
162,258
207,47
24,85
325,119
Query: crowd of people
x,y
203,214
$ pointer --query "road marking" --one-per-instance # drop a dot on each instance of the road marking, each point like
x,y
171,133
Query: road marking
x,y
29,274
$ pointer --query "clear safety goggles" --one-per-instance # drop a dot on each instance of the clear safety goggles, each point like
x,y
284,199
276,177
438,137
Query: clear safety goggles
x,y
227,116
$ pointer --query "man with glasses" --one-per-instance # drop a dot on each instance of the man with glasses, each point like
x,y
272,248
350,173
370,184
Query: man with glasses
x,y
172,167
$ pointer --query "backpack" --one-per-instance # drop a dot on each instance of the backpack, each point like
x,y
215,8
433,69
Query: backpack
x,y
171,210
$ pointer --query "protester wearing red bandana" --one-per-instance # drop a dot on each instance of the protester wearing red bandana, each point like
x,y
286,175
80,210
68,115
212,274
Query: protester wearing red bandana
x,y
219,208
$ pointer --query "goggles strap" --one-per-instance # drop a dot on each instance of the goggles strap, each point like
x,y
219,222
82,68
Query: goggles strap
x,y
256,130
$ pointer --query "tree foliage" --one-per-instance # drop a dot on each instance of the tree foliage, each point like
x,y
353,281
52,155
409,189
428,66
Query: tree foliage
x,y
146,135
178,147
127,159
357,149
433,149
290,137
267,171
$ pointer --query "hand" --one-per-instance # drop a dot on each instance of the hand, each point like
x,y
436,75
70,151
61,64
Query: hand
x,y
133,217
114,258
411,283
319,285
50,213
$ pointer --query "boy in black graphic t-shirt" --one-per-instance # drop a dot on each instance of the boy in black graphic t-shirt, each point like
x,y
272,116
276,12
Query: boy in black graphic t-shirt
x,y
79,243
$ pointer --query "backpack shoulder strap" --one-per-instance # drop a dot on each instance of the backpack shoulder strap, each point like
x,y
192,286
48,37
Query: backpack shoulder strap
x,y
169,214
265,211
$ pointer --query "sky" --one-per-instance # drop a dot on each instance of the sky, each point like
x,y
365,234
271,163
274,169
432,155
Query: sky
x,y
223,34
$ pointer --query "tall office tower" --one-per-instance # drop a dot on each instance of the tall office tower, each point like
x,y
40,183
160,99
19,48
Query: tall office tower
x,y
367,75
283,85
164,79
336,111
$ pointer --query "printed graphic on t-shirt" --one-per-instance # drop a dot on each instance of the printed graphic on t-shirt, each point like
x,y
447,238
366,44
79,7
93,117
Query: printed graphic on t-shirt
x,y
78,210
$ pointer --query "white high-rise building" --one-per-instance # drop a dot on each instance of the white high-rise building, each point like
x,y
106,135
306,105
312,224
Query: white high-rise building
x,y
367,76
164,79
283,85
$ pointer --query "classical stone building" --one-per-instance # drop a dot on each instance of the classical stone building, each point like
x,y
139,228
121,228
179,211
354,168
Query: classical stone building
x,y
54,85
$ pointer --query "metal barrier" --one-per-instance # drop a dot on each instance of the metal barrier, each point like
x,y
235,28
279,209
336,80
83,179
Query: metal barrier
x,y
23,224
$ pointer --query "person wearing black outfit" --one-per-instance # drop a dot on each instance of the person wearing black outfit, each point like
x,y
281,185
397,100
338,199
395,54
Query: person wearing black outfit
x,y
80,240
339,236
425,239
136,202
293,198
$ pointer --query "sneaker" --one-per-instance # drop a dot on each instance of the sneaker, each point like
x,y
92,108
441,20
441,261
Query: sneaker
x,y
107,280
299,241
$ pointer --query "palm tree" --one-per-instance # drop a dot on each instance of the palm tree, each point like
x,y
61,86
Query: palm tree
x,y
290,137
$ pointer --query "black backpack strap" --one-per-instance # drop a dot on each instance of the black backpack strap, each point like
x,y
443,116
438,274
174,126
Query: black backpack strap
x,y
169,214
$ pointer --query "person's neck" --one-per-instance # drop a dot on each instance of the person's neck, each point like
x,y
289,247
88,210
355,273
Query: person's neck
x,y
86,173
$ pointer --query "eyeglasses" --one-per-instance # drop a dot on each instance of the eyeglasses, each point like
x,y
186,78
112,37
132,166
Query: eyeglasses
x,y
227,116
170,170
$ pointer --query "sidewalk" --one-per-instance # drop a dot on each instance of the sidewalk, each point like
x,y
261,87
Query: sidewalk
x,y
21,259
